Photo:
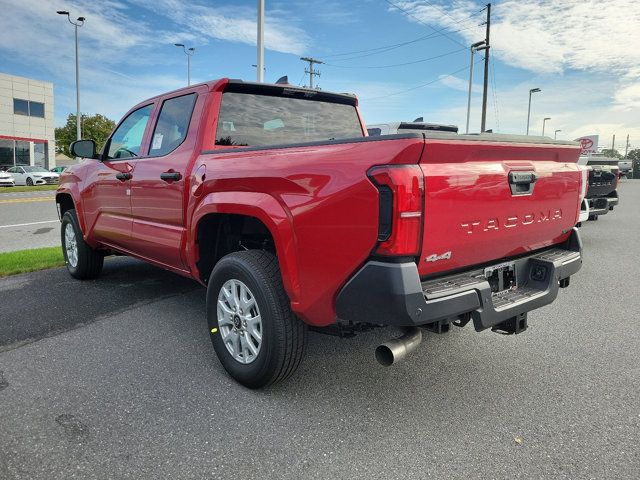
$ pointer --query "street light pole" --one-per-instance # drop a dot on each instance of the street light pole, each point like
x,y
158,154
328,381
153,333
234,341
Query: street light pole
x,y
543,123
260,41
555,134
533,90
189,53
78,23
474,48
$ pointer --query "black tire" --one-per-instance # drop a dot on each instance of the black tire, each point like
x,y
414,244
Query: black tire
x,y
284,336
593,217
90,261
29,182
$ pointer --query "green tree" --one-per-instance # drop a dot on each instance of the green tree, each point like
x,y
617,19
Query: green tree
x,y
94,127
607,152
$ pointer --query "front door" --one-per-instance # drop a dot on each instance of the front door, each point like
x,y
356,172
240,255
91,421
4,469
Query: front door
x,y
107,194
158,183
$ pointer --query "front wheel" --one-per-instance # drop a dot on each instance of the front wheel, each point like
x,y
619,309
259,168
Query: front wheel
x,y
255,335
83,262
29,182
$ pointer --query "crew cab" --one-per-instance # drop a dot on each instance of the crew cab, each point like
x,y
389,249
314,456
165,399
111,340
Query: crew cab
x,y
276,200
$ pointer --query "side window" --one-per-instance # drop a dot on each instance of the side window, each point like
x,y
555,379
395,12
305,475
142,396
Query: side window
x,y
127,139
173,124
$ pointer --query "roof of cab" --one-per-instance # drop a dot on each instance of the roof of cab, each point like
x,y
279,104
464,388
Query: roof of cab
x,y
271,89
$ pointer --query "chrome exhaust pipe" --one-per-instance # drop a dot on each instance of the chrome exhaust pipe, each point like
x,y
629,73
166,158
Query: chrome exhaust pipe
x,y
395,350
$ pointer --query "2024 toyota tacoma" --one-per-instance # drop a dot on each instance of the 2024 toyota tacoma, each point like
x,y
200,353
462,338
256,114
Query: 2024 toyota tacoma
x,y
276,200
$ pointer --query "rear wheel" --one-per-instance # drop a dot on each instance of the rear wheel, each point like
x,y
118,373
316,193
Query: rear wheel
x,y
256,336
29,182
83,262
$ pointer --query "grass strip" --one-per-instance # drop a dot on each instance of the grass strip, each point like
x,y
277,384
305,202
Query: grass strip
x,y
22,261
22,188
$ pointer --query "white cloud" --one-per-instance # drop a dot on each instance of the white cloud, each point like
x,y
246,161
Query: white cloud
x,y
583,53
545,35
234,24
456,83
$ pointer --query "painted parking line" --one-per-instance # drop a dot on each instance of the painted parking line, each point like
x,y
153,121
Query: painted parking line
x,y
28,224
26,200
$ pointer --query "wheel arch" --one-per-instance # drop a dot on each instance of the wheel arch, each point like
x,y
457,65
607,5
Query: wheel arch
x,y
251,213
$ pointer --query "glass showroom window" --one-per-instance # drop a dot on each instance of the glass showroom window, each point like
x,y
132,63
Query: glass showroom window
x,y
6,153
40,155
22,153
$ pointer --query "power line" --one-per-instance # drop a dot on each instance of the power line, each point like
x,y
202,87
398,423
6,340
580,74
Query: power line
x,y
458,21
420,86
383,49
425,24
398,64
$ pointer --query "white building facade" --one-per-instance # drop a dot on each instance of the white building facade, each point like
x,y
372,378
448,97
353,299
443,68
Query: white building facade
x,y
27,132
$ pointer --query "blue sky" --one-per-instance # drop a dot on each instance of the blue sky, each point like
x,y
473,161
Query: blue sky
x,y
582,54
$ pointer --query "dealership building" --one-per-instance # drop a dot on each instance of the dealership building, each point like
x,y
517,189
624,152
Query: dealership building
x,y
27,135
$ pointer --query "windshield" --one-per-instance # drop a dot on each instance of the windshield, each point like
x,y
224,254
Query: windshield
x,y
35,170
260,120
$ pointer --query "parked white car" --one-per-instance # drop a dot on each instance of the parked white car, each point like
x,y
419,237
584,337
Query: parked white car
x,y
6,180
28,175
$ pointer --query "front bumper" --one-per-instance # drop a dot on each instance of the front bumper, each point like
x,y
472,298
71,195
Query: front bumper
x,y
392,294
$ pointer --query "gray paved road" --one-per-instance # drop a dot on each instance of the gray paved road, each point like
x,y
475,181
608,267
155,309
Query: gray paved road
x,y
28,220
135,391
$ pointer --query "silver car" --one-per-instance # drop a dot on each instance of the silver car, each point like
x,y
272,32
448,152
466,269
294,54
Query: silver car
x,y
6,179
28,175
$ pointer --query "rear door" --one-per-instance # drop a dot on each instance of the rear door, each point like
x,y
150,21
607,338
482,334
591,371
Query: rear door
x,y
486,201
159,179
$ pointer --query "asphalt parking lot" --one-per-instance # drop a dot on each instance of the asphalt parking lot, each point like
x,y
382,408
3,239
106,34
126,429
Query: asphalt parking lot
x,y
116,378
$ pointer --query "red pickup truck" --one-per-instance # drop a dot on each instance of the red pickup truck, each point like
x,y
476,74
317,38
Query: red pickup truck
x,y
276,200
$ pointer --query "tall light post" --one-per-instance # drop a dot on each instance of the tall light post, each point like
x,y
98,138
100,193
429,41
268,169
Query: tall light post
x,y
544,121
189,53
476,47
260,41
533,90
555,134
78,23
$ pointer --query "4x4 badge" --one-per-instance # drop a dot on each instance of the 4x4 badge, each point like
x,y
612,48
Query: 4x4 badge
x,y
434,257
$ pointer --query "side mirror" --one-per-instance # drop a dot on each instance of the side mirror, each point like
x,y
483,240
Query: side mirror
x,y
83,148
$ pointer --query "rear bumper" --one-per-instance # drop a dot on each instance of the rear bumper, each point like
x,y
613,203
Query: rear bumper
x,y
601,205
392,293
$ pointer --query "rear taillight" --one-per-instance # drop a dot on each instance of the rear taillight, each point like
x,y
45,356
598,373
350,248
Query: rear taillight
x,y
401,196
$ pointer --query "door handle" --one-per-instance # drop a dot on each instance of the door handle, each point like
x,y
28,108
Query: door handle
x,y
170,176
522,183
123,176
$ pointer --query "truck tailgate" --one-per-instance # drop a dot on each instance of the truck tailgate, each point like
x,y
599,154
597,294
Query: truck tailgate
x,y
491,200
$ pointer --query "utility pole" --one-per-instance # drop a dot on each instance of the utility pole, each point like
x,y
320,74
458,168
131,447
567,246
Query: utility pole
x,y
626,149
311,71
260,42
613,144
486,71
